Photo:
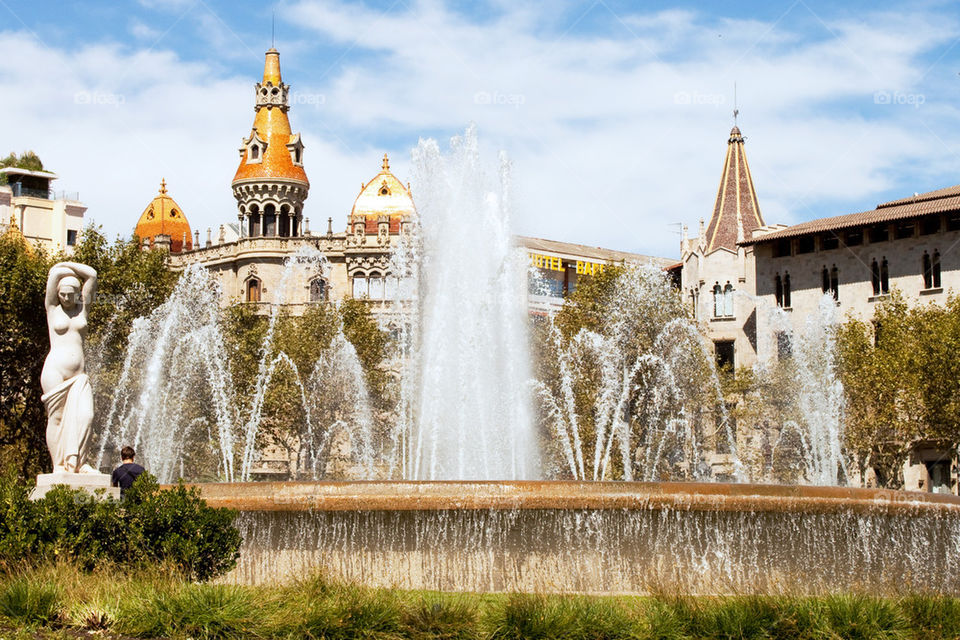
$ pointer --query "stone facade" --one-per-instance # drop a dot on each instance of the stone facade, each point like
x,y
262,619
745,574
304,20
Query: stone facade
x,y
717,274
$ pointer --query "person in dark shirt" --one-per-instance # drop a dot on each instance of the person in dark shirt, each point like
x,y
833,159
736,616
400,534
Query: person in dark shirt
x,y
124,475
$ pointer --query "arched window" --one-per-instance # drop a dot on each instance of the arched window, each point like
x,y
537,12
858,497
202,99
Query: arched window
x,y
253,290
884,276
835,282
778,289
927,271
728,300
936,269
717,301
269,220
376,286
254,152
875,276
360,288
786,291
318,290
254,221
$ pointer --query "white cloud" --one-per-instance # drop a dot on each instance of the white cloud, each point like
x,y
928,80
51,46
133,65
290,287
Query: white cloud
x,y
613,135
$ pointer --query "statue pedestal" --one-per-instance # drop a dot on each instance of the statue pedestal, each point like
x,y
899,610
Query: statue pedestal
x,y
88,482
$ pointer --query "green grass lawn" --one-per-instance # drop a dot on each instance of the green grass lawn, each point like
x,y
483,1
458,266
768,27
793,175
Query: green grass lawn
x,y
60,602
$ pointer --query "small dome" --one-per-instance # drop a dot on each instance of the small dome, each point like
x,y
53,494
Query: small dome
x,y
384,195
164,216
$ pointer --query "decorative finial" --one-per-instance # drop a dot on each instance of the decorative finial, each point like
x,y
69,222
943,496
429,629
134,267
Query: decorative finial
x,y
163,186
386,163
736,111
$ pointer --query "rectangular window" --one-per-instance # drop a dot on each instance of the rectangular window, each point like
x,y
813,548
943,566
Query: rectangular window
x,y
930,225
781,248
905,230
360,287
879,233
805,244
829,241
71,237
724,352
854,237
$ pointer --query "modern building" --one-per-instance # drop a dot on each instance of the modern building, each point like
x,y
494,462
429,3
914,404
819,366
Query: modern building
x,y
46,218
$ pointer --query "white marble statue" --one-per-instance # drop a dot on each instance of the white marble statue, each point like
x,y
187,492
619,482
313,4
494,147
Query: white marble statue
x,y
67,394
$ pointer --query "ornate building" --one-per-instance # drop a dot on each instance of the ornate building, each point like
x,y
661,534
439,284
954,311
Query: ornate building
x,y
270,187
718,273
163,224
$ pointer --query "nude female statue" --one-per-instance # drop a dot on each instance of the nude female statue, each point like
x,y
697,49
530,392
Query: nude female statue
x,y
67,394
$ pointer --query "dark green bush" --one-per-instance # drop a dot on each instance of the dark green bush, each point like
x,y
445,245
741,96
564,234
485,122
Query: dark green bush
x,y
173,527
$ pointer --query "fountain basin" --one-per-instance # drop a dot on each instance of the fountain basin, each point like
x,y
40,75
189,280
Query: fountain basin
x,y
596,537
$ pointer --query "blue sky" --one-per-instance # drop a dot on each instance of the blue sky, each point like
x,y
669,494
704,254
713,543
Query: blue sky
x,y
615,114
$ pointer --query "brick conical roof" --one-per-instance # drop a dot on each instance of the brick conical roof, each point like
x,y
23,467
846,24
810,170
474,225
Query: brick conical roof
x,y
736,213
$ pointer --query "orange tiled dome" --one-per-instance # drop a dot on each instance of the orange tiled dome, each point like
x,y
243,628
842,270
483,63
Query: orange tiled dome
x,y
277,155
385,195
164,216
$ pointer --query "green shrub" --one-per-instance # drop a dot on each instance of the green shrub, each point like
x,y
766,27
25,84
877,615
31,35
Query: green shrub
x,y
173,527
532,617
208,612
661,621
443,618
860,617
931,616
178,527
352,612
30,602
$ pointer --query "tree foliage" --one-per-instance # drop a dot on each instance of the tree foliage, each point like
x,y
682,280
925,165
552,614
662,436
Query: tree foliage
x,y
131,283
902,379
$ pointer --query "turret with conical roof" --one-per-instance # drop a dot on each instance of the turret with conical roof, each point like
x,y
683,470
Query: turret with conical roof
x,y
736,213
270,184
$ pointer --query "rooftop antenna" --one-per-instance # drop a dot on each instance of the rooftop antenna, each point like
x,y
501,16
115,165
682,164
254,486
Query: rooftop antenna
x,y
736,111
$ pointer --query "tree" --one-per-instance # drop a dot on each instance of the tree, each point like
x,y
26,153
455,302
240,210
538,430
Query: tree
x,y
131,283
901,375
23,347
625,381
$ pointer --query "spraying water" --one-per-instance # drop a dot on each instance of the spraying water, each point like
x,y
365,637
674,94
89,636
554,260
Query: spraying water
x,y
471,413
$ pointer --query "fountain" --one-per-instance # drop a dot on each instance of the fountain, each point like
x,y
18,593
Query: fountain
x,y
490,480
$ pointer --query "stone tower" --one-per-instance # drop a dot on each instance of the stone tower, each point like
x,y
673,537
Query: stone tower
x,y
270,184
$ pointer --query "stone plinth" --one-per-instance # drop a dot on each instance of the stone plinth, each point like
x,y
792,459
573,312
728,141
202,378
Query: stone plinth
x,y
89,482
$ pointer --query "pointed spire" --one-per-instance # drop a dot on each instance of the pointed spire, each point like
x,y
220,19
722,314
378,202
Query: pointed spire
x,y
271,68
736,212
386,163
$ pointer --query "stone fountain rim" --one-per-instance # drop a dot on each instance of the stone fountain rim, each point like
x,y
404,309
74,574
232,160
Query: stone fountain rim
x,y
446,495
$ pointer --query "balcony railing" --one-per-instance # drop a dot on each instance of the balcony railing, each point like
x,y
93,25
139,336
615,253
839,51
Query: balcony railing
x,y
20,191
